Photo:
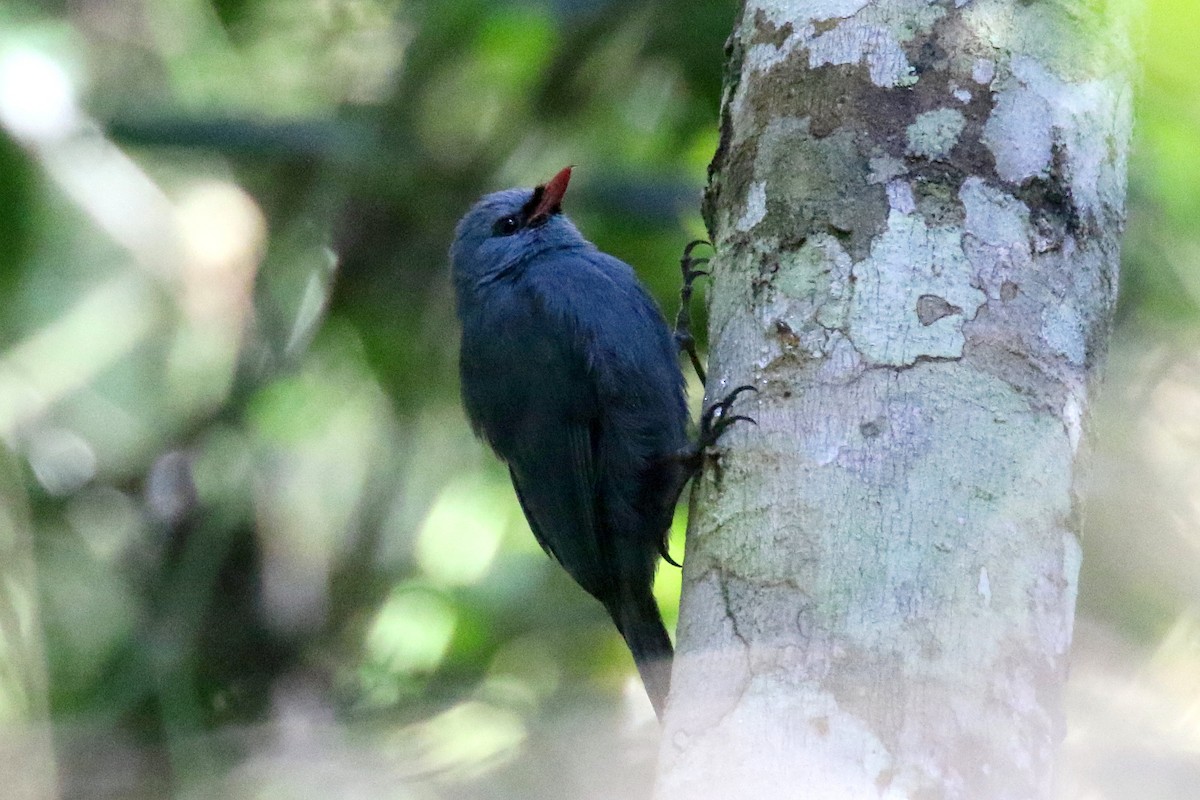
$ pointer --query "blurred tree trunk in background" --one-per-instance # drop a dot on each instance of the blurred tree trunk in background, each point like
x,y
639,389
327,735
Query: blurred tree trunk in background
x,y
917,210
26,747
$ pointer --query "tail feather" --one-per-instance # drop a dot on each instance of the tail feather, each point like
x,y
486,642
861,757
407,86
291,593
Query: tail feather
x,y
641,625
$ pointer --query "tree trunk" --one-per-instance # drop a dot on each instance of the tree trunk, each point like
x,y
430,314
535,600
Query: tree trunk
x,y
916,208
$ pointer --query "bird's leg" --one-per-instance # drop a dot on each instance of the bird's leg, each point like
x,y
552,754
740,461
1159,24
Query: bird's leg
x,y
683,320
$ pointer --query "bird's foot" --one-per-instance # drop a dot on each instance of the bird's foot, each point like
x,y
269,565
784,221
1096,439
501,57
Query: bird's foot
x,y
715,420
683,320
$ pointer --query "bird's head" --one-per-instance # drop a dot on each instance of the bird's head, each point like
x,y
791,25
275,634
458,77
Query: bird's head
x,y
505,227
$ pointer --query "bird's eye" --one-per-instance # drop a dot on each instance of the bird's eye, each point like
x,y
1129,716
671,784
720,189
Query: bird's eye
x,y
506,226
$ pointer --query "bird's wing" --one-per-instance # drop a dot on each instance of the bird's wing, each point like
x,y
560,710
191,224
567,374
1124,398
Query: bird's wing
x,y
556,487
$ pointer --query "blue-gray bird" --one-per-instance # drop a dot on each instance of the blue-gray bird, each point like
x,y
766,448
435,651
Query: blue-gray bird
x,y
571,374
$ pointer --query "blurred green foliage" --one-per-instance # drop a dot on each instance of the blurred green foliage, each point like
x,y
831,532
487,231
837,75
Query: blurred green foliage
x,y
271,559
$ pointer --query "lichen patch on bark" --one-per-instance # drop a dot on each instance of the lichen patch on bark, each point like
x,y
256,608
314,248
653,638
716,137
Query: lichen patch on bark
x,y
1019,133
800,168
934,133
910,260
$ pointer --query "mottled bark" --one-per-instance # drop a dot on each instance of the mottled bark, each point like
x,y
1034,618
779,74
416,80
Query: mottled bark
x,y
917,210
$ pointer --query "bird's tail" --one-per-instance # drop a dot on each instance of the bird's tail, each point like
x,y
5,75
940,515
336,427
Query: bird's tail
x,y
641,625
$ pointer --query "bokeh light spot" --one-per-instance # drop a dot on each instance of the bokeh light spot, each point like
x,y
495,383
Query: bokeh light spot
x,y
37,100
411,632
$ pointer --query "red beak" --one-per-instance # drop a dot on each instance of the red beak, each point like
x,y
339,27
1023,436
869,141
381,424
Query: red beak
x,y
549,197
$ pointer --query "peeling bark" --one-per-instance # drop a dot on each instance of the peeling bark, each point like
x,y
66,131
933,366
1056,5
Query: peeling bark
x,y
917,210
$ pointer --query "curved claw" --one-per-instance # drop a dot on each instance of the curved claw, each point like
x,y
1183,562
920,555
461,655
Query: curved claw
x,y
666,556
728,400
745,387
692,245
716,429
713,421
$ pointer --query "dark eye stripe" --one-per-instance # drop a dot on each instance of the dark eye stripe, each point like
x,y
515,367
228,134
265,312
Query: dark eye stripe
x,y
534,201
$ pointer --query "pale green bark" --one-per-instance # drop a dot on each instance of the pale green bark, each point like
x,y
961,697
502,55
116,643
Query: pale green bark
x,y
916,208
